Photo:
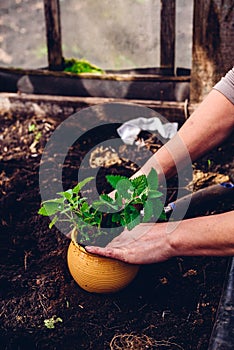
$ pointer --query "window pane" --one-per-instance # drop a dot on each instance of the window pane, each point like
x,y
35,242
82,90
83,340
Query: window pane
x,y
112,34
22,34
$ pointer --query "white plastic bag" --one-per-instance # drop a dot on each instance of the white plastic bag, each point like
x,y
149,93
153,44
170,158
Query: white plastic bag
x,y
131,129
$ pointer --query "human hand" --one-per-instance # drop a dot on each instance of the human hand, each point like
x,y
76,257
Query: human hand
x,y
210,235
145,244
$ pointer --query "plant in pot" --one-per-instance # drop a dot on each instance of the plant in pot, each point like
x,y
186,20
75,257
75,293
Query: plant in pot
x,y
134,201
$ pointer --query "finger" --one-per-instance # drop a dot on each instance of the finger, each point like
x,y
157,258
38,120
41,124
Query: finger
x,y
98,250
114,253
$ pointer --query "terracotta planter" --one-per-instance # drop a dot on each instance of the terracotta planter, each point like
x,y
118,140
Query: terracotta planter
x,y
98,274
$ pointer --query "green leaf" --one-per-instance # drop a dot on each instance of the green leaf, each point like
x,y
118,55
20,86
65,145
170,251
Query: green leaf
x,y
67,194
132,217
148,211
118,200
157,208
81,184
42,211
50,322
133,223
115,217
154,194
56,200
122,221
139,183
114,179
105,203
125,188
152,179
32,127
38,136
84,207
106,198
51,207
138,200
99,205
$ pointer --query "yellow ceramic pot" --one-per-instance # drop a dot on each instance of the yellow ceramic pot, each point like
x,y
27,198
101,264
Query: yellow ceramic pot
x,y
98,274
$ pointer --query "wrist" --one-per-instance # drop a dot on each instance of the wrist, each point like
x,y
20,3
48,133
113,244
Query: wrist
x,y
185,237
203,236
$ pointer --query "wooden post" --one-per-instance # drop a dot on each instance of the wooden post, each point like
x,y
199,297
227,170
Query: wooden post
x,y
167,34
53,31
213,45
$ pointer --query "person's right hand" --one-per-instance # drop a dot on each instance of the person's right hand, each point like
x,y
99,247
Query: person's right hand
x,y
145,244
150,243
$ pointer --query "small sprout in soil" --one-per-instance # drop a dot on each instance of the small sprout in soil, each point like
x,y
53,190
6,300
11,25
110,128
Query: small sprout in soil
x,y
132,197
50,322
209,163
38,136
32,127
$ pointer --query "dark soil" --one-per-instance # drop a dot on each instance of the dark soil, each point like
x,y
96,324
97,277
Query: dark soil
x,y
171,305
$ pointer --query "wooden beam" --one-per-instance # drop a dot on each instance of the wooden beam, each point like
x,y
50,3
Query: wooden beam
x,y
141,86
60,107
53,33
167,34
213,45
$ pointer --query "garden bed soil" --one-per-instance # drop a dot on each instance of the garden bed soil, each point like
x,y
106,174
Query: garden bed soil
x,y
170,305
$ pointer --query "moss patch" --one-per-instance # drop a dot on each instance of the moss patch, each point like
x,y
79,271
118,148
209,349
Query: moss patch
x,y
81,66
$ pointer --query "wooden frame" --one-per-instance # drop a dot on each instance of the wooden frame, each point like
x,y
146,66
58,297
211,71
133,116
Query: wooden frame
x,y
167,34
213,46
53,34
54,38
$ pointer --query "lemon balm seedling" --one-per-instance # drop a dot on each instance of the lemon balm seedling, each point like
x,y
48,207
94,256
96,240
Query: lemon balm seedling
x,y
135,200
50,322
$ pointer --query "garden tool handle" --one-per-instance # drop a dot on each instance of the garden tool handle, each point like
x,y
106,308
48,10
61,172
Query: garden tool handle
x,y
202,196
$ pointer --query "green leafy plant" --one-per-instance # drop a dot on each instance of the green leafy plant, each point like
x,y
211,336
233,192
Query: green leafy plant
x,y
50,322
80,66
135,200
32,128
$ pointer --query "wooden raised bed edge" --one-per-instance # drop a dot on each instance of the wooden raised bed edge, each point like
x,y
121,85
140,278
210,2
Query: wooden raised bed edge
x,y
60,107
154,84
124,75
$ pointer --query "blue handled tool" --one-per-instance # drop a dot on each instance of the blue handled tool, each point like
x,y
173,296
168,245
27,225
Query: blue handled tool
x,y
202,196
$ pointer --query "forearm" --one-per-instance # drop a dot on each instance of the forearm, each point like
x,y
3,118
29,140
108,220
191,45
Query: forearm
x,y
204,236
206,128
209,125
